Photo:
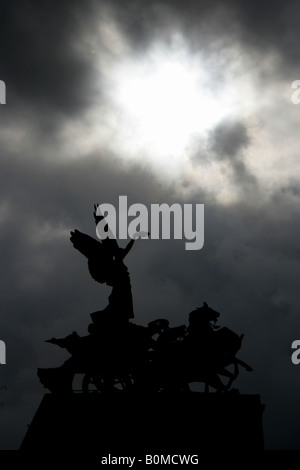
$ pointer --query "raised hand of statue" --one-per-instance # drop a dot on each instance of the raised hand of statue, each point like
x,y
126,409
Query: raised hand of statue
x,y
97,218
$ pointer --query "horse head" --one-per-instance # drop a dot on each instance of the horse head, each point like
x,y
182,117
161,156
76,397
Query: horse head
x,y
203,316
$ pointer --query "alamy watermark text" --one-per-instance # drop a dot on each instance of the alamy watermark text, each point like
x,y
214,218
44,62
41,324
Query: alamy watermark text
x,y
2,92
2,352
188,222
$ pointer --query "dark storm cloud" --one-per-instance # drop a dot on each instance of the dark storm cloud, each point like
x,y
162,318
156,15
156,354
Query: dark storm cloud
x,y
39,60
249,266
227,142
228,139
266,26
41,64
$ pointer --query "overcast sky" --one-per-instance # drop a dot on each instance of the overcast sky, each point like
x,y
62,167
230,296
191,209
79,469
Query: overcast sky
x,y
162,101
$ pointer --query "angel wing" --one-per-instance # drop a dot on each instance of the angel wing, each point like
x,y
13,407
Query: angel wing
x,y
99,256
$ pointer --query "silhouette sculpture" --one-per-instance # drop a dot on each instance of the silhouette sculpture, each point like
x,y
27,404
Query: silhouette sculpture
x,y
119,355
106,264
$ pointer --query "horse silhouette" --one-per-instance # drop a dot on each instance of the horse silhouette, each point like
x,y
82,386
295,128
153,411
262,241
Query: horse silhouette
x,y
152,358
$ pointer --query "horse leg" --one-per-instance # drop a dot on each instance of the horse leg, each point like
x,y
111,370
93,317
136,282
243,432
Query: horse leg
x,y
215,382
231,375
244,364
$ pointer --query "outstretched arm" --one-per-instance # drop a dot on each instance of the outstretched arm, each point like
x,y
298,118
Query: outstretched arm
x,y
125,251
128,247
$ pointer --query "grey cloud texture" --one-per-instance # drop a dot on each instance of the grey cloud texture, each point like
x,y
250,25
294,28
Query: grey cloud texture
x,y
249,266
229,139
227,144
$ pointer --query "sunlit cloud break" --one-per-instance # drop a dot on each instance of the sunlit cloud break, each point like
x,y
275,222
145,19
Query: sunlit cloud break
x,y
151,108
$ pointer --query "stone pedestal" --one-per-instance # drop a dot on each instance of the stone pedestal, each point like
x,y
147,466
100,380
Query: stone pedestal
x,y
121,424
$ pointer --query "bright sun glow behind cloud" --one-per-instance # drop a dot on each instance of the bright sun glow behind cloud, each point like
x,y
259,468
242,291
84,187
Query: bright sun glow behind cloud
x,y
158,106
164,101
166,105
